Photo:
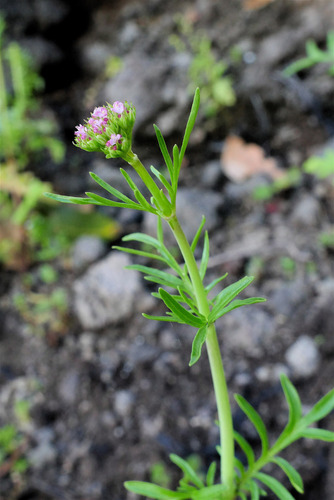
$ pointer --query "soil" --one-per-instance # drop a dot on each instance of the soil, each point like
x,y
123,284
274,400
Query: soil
x,y
107,404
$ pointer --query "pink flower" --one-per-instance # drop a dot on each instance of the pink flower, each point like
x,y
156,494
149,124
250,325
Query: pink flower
x,y
101,113
97,125
81,132
114,140
118,107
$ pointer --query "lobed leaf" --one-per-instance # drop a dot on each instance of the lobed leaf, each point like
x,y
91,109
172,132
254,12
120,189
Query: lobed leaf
x,y
274,485
215,282
256,420
170,319
254,490
229,293
163,181
110,203
71,199
293,400
164,278
109,188
233,305
197,345
293,476
209,493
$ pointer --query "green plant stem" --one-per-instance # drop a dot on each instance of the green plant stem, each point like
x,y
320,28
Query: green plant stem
x,y
216,365
160,199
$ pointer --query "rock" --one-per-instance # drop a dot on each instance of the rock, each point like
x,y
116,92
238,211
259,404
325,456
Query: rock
x,y
45,452
86,250
303,357
123,402
306,212
107,293
68,387
288,297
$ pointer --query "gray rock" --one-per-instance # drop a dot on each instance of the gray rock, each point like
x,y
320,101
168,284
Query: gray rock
x,y
107,292
306,212
303,357
45,452
68,387
86,250
123,402
290,295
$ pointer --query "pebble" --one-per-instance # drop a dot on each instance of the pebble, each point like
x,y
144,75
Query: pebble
x,y
107,293
86,250
303,357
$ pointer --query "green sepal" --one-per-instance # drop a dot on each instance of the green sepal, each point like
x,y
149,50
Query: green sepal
x,y
188,471
256,420
154,491
274,485
181,312
197,345
293,476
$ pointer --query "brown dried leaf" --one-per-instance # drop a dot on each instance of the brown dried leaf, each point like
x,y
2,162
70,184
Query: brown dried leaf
x,y
241,161
255,4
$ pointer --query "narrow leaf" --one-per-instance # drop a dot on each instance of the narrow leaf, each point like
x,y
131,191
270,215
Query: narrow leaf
x,y
143,202
180,311
110,203
153,491
167,278
246,448
210,476
197,235
170,319
321,409
160,233
274,485
321,434
205,256
164,151
190,124
109,188
254,490
256,420
71,199
187,470
293,400
209,493
294,476
235,304
141,253
197,345
239,466
215,282
229,293
163,181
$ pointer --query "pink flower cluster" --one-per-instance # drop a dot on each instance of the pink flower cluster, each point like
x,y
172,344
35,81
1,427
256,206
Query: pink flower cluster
x,y
100,122
114,140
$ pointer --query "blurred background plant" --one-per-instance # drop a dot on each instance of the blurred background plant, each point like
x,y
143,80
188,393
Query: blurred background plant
x,y
205,70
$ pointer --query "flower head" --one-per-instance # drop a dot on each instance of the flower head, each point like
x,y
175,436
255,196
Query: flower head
x,y
108,129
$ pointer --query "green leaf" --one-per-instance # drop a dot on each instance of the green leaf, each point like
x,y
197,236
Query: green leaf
x,y
170,319
190,124
164,151
235,304
163,181
274,485
320,409
238,465
256,420
210,476
209,493
110,203
141,253
71,199
254,490
153,491
205,256
321,434
181,312
197,235
294,403
215,282
294,476
197,345
228,294
110,189
187,470
246,448
163,277
160,233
